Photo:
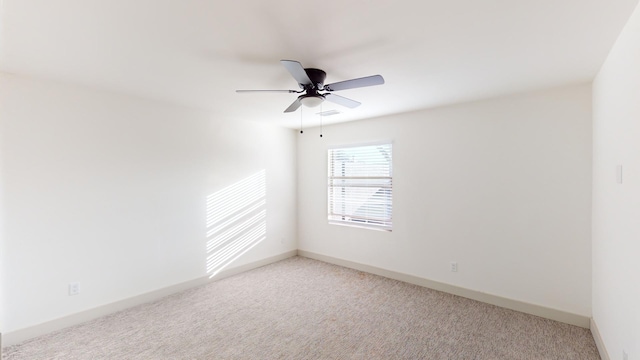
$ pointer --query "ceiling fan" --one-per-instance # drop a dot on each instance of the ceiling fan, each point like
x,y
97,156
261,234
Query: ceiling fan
x,y
311,81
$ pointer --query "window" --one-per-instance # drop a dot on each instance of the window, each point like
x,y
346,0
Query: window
x,y
360,186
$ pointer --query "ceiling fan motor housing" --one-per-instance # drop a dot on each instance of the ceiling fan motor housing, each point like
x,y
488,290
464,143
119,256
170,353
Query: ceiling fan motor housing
x,y
317,77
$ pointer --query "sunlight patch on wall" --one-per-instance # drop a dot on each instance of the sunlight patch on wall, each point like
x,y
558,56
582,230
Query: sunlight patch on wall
x,y
236,221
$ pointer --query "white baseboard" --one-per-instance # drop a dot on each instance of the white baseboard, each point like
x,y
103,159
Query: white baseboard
x,y
604,355
533,309
18,336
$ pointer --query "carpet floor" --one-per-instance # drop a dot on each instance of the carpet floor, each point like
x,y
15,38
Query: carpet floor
x,y
306,309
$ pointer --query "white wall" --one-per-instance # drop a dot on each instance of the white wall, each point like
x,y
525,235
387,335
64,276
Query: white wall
x,y
616,207
111,191
2,251
501,186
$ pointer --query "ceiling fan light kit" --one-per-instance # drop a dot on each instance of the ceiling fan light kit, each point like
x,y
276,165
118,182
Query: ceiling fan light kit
x,y
311,81
311,101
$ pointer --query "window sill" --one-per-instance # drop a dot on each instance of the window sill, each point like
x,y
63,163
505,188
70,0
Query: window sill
x,y
355,225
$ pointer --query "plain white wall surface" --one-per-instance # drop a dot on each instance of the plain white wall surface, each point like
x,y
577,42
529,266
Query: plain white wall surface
x,y
111,191
616,206
2,252
502,186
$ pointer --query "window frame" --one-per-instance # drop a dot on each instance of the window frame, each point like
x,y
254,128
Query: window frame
x,y
384,223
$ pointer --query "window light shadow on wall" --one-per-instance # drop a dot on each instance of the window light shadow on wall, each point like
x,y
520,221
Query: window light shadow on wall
x,y
236,221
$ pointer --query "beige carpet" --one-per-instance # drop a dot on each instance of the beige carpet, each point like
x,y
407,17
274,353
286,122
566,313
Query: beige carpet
x,y
305,309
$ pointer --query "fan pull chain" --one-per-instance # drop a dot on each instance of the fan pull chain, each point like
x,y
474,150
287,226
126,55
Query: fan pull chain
x,y
321,116
301,120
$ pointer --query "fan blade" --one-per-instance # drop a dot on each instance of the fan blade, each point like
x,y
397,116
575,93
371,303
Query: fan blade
x,y
274,91
337,99
297,71
355,83
294,106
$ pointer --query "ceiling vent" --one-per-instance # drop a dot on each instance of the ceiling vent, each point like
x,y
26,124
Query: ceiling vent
x,y
329,113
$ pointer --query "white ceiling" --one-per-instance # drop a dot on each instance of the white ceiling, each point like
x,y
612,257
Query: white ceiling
x,y
197,52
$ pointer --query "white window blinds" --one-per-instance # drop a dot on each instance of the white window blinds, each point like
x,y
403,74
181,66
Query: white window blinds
x,y
360,186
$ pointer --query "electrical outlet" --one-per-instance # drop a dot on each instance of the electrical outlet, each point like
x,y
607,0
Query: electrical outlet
x,y
454,267
625,356
74,288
